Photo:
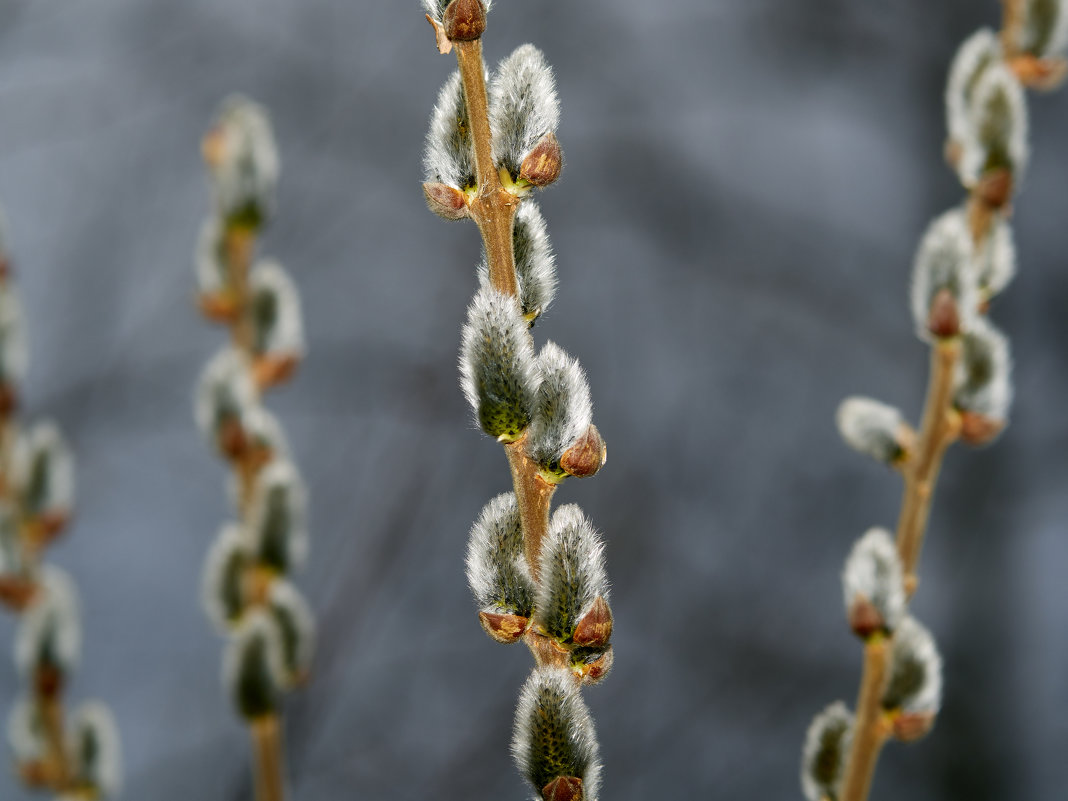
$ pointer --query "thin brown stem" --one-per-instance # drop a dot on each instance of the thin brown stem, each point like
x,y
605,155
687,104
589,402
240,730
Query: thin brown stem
x,y
267,747
941,426
534,495
870,732
51,712
240,246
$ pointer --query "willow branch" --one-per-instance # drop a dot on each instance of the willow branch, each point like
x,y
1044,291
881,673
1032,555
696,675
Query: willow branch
x,y
870,732
267,747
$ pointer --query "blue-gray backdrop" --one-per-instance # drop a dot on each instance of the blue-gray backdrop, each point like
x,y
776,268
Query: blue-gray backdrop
x,y
745,186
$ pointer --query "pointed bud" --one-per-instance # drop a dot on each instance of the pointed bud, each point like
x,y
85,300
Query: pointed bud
x,y
915,684
224,397
449,157
498,369
277,519
554,736
48,644
978,52
523,109
873,585
587,456
253,668
984,383
242,161
436,9
591,665
544,163
277,323
572,575
874,429
497,570
223,578
562,414
912,726
96,750
534,266
1039,74
464,20
446,201
595,627
563,788
296,627
826,751
945,261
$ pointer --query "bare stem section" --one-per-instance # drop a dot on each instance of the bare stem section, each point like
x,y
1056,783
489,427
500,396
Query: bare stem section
x,y
267,747
871,729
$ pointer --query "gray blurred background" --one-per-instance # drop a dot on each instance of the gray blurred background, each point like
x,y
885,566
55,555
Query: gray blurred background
x,y
746,183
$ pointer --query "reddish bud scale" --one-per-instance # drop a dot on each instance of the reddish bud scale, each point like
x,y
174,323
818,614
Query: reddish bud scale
x,y
464,20
9,400
995,188
595,628
563,788
978,430
545,162
864,618
1041,74
47,682
586,456
445,201
231,439
219,307
16,592
269,371
911,726
504,628
944,318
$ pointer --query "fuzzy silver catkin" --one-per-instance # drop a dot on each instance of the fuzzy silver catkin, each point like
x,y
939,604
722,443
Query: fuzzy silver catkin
x,y
998,126
873,572
277,522
572,573
449,156
498,368
209,258
871,427
225,391
13,351
497,570
1043,31
554,734
915,683
50,631
26,731
996,259
562,411
221,585
253,668
523,106
277,321
96,750
244,178
296,627
12,553
945,260
984,373
978,52
826,750
535,267
436,8
42,471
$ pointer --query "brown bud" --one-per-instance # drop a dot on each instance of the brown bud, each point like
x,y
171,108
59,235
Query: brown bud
x,y
268,371
445,201
231,438
977,430
995,188
911,726
595,628
503,628
944,318
586,456
219,307
592,666
864,618
16,592
1041,74
47,682
544,163
464,20
42,530
8,400
563,788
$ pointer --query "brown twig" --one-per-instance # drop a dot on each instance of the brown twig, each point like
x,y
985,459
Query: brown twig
x,y
871,730
267,746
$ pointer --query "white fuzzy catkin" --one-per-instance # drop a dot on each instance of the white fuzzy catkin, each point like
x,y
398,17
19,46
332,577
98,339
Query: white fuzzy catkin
x,y
873,571
253,671
978,52
245,177
1043,31
96,749
225,389
498,368
998,126
277,522
984,373
210,259
945,260
449,157
915,684
435,9
871,427
572,573
535,268
50,629
43,470
554,734
221,584
523,106
26,731
276,314
826,750
562,411
12,552
296,626
13,351
996,259
497,570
